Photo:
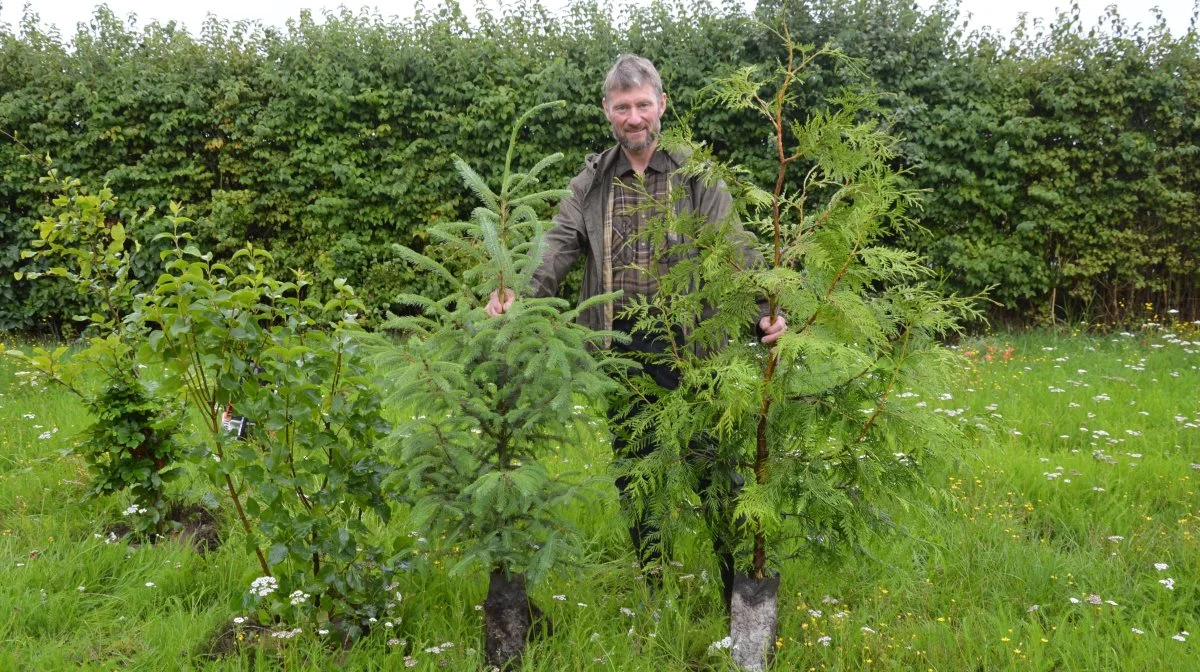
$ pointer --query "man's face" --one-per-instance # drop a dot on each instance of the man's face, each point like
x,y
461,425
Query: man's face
x,y
635,115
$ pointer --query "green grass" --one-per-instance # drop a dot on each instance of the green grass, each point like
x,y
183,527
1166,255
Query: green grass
x,y
1084,477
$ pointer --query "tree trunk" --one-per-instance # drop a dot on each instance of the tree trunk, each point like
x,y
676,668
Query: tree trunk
x,y
752,620
509,618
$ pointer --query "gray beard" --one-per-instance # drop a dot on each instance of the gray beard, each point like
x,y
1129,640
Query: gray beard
x,y
651,138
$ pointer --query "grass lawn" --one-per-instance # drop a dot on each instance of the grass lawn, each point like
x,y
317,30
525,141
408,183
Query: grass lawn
x,y
1064,539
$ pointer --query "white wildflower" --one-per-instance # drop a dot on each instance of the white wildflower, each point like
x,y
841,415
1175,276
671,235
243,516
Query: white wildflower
x,y
720,645
264,586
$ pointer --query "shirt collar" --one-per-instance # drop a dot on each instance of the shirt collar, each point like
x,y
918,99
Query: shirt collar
x,y
659,162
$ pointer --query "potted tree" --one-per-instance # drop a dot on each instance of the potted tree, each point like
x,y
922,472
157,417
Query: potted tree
x,y
481,403
821,426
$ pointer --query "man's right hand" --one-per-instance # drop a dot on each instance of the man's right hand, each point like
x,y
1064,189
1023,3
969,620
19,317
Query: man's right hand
x,y
496,307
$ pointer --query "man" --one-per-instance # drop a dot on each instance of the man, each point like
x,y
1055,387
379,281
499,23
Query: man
x,y
605,218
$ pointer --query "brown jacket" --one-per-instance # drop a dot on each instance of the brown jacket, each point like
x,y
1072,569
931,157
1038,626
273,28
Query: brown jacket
x,y
579,229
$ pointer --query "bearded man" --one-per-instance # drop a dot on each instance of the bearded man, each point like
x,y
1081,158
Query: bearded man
x,y
605,220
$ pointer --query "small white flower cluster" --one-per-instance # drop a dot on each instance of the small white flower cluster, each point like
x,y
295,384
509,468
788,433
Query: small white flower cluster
x,y
133,510
1168,582
286,634
1182,636
298,597
824,640
720,645
445,646
264,586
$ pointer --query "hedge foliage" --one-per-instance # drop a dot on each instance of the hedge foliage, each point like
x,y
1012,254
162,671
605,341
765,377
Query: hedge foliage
x,y
1061,162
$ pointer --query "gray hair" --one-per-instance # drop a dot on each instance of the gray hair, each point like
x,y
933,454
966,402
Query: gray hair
x,y
630,72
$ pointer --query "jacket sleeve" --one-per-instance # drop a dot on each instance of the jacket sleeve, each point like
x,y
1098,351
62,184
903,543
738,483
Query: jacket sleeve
x,y
564,242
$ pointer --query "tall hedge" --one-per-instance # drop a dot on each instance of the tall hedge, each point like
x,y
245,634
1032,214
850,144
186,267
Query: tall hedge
x,y
1061,166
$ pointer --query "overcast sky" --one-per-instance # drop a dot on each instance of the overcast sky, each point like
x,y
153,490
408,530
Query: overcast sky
x,y
65,14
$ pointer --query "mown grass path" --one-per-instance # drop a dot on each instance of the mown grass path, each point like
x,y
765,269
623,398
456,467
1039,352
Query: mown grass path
x,y
1065,539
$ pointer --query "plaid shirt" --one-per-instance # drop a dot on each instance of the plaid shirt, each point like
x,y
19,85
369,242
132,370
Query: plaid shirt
x,y
628,218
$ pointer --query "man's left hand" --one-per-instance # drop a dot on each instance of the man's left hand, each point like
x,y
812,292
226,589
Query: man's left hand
x,y
772,328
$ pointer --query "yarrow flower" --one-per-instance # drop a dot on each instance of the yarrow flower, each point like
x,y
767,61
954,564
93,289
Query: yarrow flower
x,y
299,597
264,586
824,640
133,510
720,645
1168,582
1160,566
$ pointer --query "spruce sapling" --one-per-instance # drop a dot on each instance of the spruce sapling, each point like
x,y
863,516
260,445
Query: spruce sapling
x,y
482,403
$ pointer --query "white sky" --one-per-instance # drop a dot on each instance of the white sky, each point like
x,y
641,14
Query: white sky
x,y
65,14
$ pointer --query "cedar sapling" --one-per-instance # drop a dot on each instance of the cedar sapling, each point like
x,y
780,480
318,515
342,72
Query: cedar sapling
x,y
823,425
483,403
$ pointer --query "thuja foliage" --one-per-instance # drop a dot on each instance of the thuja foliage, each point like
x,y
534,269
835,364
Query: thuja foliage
x,y
482,403
132,444
823,425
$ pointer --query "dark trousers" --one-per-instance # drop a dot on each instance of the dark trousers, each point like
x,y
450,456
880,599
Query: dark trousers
x,y
716,483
